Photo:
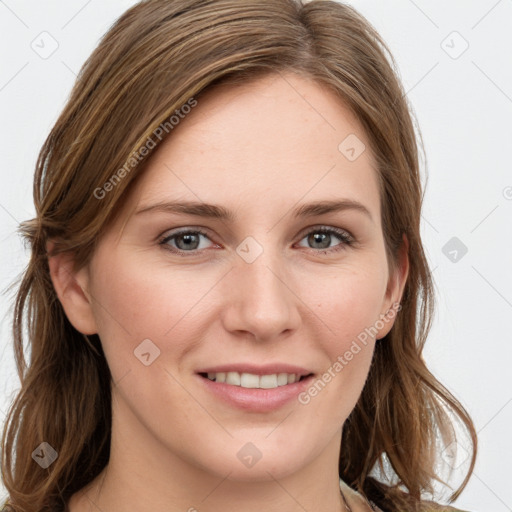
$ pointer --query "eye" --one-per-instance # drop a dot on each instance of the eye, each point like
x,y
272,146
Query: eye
x,y
321,237
185,241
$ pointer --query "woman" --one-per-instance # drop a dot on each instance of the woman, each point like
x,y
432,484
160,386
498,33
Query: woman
x,y
227,294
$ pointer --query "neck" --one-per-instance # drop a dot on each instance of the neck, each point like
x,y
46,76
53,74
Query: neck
x,y
144,474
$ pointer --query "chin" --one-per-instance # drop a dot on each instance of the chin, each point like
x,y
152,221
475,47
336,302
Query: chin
x,y
249,463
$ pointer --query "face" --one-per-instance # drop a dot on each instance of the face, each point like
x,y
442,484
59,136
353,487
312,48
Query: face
x,y
264,290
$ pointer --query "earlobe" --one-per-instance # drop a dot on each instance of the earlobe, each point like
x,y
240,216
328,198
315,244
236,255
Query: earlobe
x,y
395,289
71,289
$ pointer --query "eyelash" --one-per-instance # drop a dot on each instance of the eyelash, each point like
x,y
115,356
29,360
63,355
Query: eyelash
x,y
343,235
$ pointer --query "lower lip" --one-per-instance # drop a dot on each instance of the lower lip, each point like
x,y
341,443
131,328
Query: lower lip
x,y
256,399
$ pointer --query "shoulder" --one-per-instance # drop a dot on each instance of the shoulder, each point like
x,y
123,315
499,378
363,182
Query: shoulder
x,y
451,509
441,508
428,507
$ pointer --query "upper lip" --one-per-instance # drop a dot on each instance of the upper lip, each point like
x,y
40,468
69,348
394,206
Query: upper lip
x,y
267,369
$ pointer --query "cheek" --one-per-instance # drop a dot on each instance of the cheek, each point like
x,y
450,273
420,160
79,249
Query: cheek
x,y
350,309
140,312
134,303
348,302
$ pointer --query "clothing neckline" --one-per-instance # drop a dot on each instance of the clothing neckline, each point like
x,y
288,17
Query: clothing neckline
x,y
370,503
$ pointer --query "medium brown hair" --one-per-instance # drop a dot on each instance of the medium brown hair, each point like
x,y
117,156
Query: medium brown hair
x,y
154,59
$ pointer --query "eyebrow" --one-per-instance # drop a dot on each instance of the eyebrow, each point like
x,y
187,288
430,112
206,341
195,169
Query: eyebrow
x,y
219,212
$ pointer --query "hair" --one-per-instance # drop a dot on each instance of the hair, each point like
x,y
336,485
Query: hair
x,y
158,56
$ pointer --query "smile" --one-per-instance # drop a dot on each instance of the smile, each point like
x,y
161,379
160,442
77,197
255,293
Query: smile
x,y
253,381
254,393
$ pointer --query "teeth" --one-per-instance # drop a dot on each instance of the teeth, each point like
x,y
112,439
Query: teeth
x,y
249,380
282,379
233,378
269,381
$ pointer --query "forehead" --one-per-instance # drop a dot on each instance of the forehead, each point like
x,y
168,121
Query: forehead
x,y
264,145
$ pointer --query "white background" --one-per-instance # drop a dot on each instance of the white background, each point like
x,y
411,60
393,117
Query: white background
x,y
464,109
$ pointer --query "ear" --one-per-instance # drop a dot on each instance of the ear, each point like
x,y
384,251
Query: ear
x,y
71,288
395,289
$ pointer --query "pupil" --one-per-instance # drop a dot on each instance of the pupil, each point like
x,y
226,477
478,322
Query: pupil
x,y
320,237
189,241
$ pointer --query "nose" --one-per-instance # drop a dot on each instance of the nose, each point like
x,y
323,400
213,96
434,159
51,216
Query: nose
x,y
259,298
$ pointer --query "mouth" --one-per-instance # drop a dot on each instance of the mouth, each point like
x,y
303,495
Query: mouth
x,y
255,381
255,392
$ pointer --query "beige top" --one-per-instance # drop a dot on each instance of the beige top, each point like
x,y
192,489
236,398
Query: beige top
x,y
355,497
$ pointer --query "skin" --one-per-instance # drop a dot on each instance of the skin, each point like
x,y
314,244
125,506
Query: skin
x,y
174,445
